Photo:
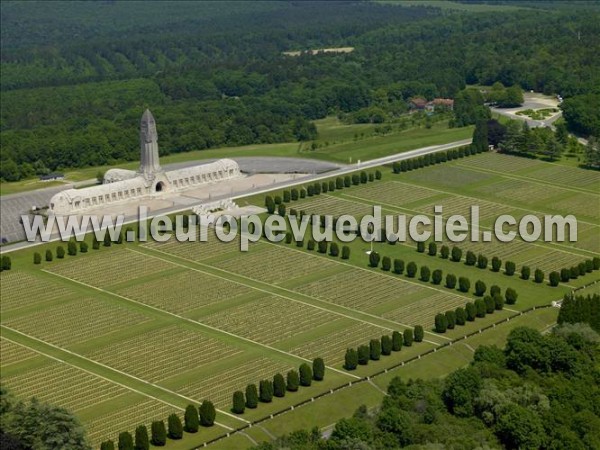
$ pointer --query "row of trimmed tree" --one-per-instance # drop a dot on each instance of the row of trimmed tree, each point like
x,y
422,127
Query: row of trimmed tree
x,y
436,276
322,247
192,420
278,386
455,254
472,310
277,203
435,158
382,347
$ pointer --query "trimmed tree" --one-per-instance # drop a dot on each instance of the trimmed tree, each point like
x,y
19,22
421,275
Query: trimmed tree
x,y
159,433
498,302
509,268
251,396
398,266
496,264
374,259
265,389
411,270
441,323
191,419
363,355
125,441
444,252
437,276
482,261
49,258
175,427
386,345
350,359
432,249
495,290
208,413
322,247
238,403
554,278
345,252
278,385
510,296
72,248
421,247
396,341
107,445
334,249
419,333
480,309
408,337
95,243
292,381
318,369
470,258
525,272
306,375
375,349
142,442
386,263
461,316
425,273
490,305
450,281
480,288
450,319
83,247
538,276
37,258
456,254
464,284
470,311
60,252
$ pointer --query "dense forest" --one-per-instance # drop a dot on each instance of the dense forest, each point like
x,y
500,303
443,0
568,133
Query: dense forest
x,y
541,391
76,75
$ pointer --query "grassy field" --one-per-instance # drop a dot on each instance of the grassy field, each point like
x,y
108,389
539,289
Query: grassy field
x,y
134,332
341,148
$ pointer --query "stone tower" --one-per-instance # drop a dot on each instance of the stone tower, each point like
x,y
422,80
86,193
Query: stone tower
x,y
149,163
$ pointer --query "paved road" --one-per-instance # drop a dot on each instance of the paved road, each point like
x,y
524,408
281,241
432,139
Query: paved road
x,y
341,170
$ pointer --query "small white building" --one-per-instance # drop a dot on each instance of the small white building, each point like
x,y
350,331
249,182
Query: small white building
x,y
149,181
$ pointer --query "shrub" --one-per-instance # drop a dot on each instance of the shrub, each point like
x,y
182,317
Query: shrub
x,y
408,337
396,341
538,276
345,252
60,252
350,359
306,375
375,349
419,333
480,288
421,247
49,255
498,302
450,281
470,311
525,272
510,296
292,381
450,319
480,309
386,263
318,369
125,441
432,250
159,433
374,259
461,316
456,254
37,258
398,266
496,264
440,323
444,252
251,396
470,259
482,261
386,345
239,403
265,389
191,418
363,355
411,270
554,279
175,427
464,284
509,268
